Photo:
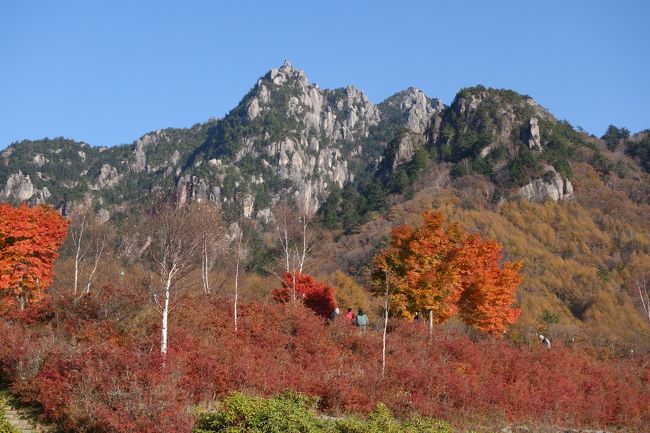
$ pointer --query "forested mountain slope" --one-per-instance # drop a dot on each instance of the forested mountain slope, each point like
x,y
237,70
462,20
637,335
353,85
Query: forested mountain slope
x,y
572,206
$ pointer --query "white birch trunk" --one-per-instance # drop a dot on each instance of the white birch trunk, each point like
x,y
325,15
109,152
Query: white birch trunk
x,y
383,337
237,280
204,269
78,256
98,255
165,315
645,299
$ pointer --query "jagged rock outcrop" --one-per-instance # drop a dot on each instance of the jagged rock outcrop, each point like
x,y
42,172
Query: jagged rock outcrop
x,y
40,196
552,186
248,204
407,145
139,162
19,187
414,107
39,160
191,187
535,140
108,177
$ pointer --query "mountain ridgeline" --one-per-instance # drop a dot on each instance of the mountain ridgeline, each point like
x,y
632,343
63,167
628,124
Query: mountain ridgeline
x,y
288,138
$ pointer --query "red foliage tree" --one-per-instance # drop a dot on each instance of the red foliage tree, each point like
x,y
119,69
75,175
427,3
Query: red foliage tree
x,y
488,289
317,296
29,241
440,269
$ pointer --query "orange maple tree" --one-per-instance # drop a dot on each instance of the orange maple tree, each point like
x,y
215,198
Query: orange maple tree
x,y
440,269
29,241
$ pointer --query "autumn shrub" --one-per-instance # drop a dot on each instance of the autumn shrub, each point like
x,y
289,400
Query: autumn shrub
x,y
313,293
93,364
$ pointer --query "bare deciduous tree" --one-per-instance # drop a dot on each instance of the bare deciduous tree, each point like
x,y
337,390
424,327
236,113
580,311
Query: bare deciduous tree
x,y
77,228
387,295
213,247
89,238
640,273
297,241
175,238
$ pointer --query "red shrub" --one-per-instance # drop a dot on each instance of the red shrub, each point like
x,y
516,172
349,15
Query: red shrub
x,y
314,294
93,365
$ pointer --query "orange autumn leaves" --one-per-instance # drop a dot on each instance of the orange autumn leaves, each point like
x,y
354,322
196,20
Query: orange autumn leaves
x,y
439,269
29,241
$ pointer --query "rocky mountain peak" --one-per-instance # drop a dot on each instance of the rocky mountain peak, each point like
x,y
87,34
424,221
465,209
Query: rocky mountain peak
x,y
415,106
286,73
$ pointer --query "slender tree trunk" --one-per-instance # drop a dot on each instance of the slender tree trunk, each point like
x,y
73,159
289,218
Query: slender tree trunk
x,y
286,244
303,255
100,250
204,268
383,338
165,315
645,299
430,324
237,279
77,257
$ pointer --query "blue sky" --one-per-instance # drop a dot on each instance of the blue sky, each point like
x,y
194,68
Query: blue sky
x,y
108,72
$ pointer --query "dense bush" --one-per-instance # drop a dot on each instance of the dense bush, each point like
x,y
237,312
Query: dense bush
x,y
93,364
292,412
5,427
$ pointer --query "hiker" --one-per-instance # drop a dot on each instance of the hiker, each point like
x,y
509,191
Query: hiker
x,y
417,317
349,317
545,341
334,314
361,320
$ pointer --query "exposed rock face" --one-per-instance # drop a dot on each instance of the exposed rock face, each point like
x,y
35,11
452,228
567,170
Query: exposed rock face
x,y
416,106
139,150
190,187
308,145
4,156
39,160
40,196
176,156
248,204
535,140
108,177
253,109
551,186
140,157
19,187
407,145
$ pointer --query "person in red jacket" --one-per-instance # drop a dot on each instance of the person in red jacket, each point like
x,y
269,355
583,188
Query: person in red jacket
x,y
349,317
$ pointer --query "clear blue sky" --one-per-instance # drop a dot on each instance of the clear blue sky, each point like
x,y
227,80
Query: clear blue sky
x,y
108,72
